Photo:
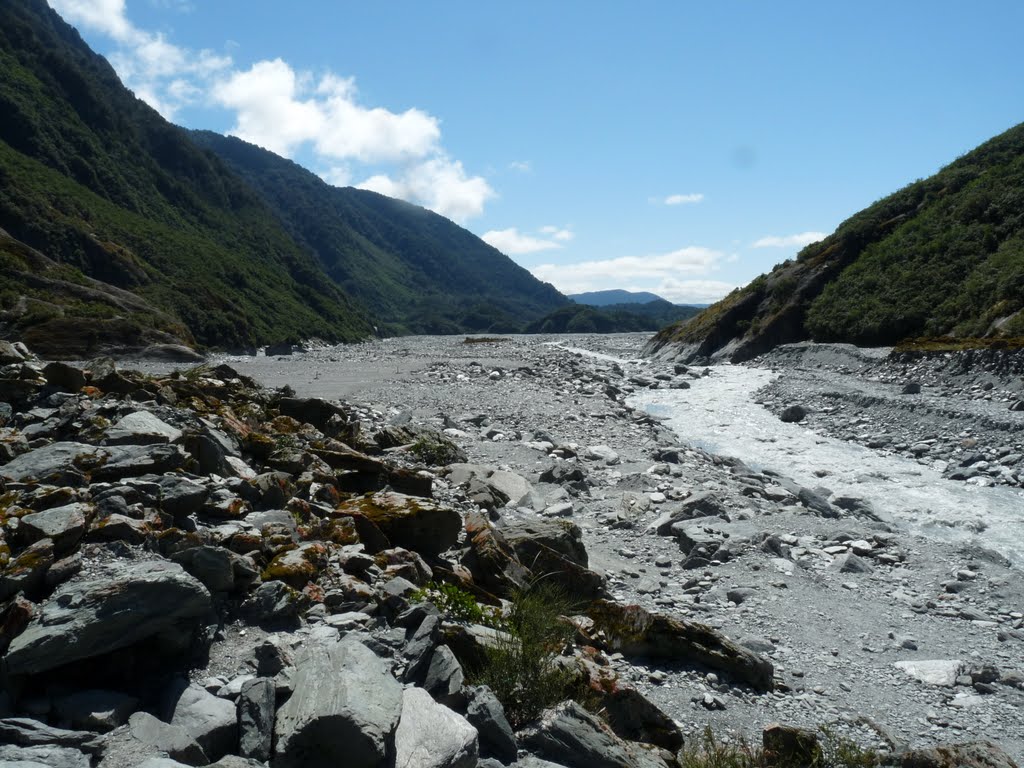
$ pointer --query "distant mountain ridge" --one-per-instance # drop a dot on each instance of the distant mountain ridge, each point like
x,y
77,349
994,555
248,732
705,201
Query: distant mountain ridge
x,y
98,182
614,296
943,256
417,271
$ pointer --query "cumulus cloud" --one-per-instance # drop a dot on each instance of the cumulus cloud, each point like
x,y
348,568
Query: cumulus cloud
x,y
674,272
692,291
558,233
289,112
438,183
523,166
788,241
164,75
689,199
514,243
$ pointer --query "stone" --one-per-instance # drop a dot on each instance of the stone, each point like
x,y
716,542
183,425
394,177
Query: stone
x,y
210,720
53,463
64,525
793,414
96,710
344,710
26,732
850,563
213,566
142,428
414,523
911,388
938,672
788,745
979,754
430,735
256,711
419,648
164,737
635,632
274,602
602,453
111,608
635,718
527,537
180,496
66,378
485,713
444,677
12,756
571,736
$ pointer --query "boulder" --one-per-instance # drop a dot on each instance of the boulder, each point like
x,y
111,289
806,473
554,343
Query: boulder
x,y
571,736
66,378
635,632
430,735
172,740
793,414
55,464
344,710
444,678
111,607
96,710
142,428
527,537
414,523
485,713
978,754
787,745
42,757
938,672
63,525
256,718
209,719
490,559
635,718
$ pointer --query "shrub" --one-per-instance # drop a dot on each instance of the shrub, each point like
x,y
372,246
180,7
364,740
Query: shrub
x,y
436,452
523,667
456,604
835,752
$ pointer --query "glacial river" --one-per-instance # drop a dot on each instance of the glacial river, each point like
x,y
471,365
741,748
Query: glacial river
x,y
718,414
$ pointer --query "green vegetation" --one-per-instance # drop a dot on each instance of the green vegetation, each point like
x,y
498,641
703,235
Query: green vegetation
x,y
611,318
100,183
523,668
419,272
456,604
436,452
832,752
942,257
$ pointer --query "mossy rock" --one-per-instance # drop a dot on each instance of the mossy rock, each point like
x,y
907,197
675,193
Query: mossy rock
x,y
298,566
415,523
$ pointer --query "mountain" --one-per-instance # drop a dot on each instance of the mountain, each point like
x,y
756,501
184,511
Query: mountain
x,y
612,318
117,199
941,257
417,271
614,296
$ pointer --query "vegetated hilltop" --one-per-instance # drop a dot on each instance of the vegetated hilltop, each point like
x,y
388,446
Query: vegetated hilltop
x,y
614,296
611,318
943,256
418,271
97,182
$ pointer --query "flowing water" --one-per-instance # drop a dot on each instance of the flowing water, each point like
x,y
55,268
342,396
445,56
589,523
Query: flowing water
x,y
719,415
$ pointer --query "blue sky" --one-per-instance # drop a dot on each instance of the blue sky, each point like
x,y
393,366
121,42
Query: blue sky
x,y
678,147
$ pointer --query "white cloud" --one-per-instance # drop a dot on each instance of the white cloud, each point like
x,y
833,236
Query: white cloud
x,y
638,273
557,233
438,183
523,166
692,291
788,241
287,112
695,197
513,243
162,74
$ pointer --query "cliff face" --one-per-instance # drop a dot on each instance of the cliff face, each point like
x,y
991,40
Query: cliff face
x,y
941,257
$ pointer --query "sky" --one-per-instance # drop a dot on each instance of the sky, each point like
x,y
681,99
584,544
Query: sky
x,y
678,147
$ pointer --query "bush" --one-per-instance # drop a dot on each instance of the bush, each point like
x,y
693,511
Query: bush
x,y
436,452
456,604
523,667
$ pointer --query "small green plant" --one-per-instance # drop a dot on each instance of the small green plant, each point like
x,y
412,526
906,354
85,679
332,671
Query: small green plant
x,y
833,751
456,604
436,452
522,667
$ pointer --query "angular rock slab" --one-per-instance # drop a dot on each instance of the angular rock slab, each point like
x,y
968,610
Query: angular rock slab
x,y
98,613
941,672
430,735
634,631
344,711
411,522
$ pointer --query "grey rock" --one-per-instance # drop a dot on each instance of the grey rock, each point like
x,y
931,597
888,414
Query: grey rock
x,y
210,720
64,525
444,678
485,713
571,736
635,718
850,563
274,602
142,428
793,414
256,718
164,737
430,735
420,648
938,672
978,754
26,732
180,496
561,536
345,709
96,710
64,377
213,566
52,463
102,612
12,756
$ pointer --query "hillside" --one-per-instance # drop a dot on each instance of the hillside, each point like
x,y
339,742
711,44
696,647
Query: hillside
x,y
97,182
943,256
614,296
418,271
611,318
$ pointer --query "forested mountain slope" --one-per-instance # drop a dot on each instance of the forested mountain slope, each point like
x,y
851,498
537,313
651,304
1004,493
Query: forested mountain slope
x,y
943,256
